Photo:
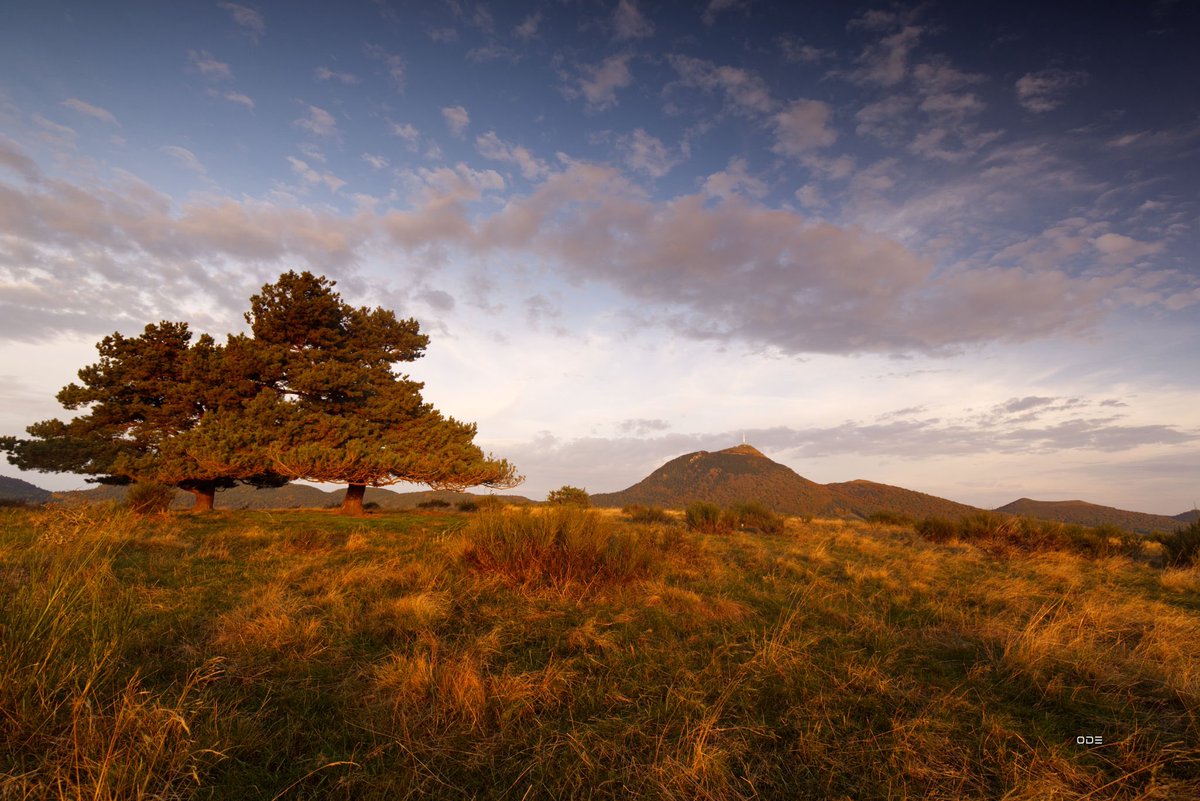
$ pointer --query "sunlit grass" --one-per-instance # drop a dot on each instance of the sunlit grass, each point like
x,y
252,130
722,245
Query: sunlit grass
x,y
566,653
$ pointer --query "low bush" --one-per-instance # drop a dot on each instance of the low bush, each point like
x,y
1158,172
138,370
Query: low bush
x,y
148,499
1181,548
569,496
638,513
467,506
434,503
704,516
889,519
556,547
753,516
937,529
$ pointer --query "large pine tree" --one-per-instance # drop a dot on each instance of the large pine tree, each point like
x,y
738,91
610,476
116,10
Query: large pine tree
x,y
143,394
335,409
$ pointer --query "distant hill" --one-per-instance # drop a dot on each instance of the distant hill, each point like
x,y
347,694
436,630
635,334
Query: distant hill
x,y
289,496
1090,514
14,489
1188,517
865,498
735,474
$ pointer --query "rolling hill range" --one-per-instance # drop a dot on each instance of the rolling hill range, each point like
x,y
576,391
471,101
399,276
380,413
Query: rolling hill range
x,y
14,489
1090,514
742,473
290,496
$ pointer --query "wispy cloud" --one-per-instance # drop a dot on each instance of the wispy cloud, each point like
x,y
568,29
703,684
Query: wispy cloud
x,y
406,131
95,112
457,119
491,146
528,29
203,62
802,127
185,157
326,74
744,91
647,154
318,122
250,20
1044,91
630,23
392,62
598,83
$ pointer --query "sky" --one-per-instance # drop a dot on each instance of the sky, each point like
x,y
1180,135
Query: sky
x,y
946,246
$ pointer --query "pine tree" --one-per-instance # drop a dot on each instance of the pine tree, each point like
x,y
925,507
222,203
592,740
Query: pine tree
x,y
139,398
338,412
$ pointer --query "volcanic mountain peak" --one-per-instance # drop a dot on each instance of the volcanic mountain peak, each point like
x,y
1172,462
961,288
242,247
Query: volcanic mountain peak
x,y
744,450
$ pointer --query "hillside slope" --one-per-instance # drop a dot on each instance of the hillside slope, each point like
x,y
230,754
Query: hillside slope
x,y
724,477
1090,514
865,498
14,489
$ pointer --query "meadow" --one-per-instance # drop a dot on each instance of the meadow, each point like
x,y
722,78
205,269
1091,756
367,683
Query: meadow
x,y
565,653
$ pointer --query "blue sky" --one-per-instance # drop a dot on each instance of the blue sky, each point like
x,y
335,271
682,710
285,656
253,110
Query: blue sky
x,y
946,247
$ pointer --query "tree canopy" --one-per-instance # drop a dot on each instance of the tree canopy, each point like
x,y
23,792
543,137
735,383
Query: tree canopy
x,y
311,394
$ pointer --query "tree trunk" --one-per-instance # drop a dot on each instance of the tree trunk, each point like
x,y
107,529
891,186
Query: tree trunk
x,y
205,495
352,504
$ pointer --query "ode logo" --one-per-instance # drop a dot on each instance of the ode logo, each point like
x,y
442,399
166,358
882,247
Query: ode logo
x,y
1089,739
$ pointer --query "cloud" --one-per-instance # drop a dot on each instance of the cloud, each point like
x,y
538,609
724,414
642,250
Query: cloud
x,y
250,20
12,158
797,51
745,93
885,62
647,154
96,112
204,63
238,98
734,180
185,157
407,132
392,62
318,122
630,23
491,146
642,425
599,82
884,119
376,161
803,127
1121,249
326,74
1044,91
528,28
715,7
457,119
312,176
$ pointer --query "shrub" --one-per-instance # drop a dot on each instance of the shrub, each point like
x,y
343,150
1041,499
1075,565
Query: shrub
x,y
1181,548
556,547
146,498
645,514
889,519
937,529
569,496
467,506
434,503
704,516
754,516
490,503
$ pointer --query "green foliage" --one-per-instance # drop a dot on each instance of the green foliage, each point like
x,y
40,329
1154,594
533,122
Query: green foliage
x,y
705,517
148,498
467,506
1002,533
638,513
753,516
556,547
1181,548
569,496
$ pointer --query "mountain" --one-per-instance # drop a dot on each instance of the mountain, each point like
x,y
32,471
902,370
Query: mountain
x,y
289,496
1188,517
14,489
865,498
1090,514
735,474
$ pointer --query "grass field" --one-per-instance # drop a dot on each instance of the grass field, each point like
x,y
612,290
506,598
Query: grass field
x,y
568,654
